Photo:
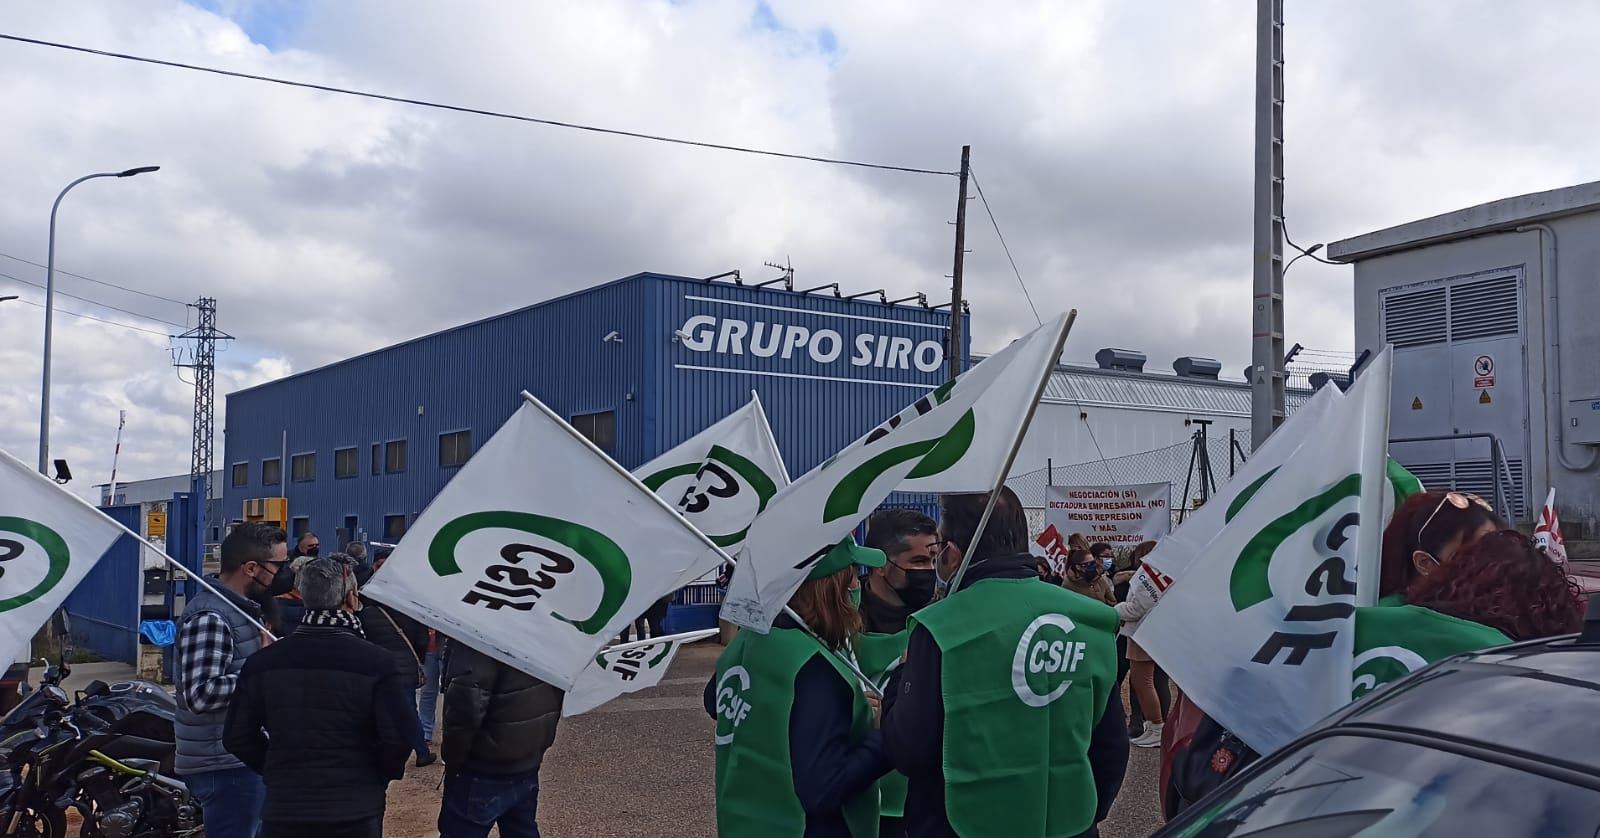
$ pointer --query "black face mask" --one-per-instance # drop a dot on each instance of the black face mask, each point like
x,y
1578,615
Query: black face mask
x,y
282,582
312,551
918,588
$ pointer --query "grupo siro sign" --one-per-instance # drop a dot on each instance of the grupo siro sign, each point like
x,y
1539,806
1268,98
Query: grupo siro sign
x,y
834,344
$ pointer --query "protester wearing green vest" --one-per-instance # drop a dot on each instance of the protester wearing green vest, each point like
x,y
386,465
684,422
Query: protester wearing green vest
x,y
1496,590
1003,714
892,594
798,750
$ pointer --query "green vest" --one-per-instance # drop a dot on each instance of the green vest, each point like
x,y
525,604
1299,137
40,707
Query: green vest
x,y
1027,670
1393,641
754,695
875,654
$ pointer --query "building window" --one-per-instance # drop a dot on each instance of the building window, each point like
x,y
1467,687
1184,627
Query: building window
x,y
394,456
298,527
344,462
303,467
377,459
455,447
394,527
271,472
599,428
241,475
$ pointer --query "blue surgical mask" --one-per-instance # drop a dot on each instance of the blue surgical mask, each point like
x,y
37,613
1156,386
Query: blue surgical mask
x,y
1107,562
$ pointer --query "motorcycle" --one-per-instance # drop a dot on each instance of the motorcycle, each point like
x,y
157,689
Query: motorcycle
x,y
108,755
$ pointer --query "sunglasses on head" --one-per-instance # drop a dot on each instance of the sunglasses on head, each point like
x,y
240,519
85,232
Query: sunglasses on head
x,y
1459,500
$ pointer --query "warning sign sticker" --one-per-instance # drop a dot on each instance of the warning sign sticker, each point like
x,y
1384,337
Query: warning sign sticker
x,y
1483,372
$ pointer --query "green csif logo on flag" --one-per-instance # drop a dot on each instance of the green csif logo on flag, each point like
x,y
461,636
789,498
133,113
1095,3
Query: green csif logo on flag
x,y
57,556
724,479
518,583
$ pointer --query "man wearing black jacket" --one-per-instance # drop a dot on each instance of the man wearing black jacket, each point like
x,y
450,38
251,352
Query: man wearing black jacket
x,y
322,717
498,722
406,641
1032,733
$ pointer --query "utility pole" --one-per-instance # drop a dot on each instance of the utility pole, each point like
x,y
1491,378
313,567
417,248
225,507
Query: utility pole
x,y
204,363
1267,371
954,355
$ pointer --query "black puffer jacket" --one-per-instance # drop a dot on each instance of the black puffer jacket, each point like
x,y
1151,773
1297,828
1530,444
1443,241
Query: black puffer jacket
x,y
497,720
325,721
405,639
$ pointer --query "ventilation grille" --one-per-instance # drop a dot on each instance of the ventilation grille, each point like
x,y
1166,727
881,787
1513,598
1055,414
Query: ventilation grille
x,y
1477,477
1414,319
1484,309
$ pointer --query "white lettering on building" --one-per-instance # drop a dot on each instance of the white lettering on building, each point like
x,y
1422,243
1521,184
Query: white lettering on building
x,y
729,336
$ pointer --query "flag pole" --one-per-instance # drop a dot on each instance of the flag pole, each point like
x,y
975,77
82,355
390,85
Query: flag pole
x,y
771,440
1011,456
686,637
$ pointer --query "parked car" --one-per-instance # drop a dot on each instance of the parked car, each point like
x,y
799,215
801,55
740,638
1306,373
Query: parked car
x,y
1497,742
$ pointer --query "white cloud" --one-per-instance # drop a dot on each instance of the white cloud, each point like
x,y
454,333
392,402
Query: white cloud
x,y
1113,140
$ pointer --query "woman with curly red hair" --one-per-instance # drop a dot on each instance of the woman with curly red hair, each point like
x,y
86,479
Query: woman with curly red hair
x,y
1424,532
1498,589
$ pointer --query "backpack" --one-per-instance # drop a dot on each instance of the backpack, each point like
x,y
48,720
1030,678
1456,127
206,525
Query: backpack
x,y
1211,757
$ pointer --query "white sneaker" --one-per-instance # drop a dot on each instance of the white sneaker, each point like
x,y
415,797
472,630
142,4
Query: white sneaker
x,y
1151,737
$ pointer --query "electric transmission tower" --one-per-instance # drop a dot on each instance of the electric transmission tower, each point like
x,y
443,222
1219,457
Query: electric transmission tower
x,y
203,360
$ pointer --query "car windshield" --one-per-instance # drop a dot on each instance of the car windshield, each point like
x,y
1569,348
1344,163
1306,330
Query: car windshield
x,y
1378,788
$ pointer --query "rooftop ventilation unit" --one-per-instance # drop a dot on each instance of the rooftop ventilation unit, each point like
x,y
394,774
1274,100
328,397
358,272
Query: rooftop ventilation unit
x,y
1191,367
1125,360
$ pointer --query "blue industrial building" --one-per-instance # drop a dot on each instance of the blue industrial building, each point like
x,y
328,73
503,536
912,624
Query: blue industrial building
x,y
637,365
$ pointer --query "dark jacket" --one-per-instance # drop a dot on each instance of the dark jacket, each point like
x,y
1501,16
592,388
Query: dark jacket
x,y
497,720
828,770
322,717
879,617
405,639
913,724
290,611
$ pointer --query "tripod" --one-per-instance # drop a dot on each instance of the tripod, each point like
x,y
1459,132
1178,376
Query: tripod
x,y
1199,456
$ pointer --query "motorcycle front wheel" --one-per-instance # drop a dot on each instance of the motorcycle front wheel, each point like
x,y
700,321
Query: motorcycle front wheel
x,y
44,823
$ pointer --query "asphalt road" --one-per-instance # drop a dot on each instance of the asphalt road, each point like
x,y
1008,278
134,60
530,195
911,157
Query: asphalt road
x,y
643,766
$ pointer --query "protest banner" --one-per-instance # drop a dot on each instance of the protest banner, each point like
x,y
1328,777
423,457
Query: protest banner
x,y
1547,533
1259,629
541,550
961,437
1122,516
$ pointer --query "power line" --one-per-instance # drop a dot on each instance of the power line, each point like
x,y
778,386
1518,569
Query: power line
x,y
1072,393
60,310
96,281
1003,246
42,287
469,110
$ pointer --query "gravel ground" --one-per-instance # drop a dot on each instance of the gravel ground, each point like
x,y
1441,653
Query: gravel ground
x,y
643,766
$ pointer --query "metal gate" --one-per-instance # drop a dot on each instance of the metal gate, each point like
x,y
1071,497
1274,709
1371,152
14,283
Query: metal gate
x,y
104,608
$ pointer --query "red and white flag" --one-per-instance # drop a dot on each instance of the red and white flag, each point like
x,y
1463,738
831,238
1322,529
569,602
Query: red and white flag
x,y
1548,533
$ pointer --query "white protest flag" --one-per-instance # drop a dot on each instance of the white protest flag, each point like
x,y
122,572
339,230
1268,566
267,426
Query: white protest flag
x,y
541,550
49,539
945,433
626,668
722,477
1259,629
1547,533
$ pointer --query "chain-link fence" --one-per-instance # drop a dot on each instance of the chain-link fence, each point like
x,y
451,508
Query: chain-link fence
x,y
1178,464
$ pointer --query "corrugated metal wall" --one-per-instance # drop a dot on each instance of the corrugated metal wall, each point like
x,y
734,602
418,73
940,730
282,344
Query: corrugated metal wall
x,y
104,608
463,378
661,389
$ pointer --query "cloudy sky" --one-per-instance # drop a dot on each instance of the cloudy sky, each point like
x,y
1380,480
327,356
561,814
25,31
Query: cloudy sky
x,y
1113,141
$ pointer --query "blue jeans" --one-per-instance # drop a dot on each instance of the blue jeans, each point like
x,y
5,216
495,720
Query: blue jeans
x,y
474,802
230,800
428,699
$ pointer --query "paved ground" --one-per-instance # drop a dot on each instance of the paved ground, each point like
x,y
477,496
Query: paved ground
x,y
643,766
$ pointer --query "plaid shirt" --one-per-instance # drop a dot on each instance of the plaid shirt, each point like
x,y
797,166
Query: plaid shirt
x,y
205,651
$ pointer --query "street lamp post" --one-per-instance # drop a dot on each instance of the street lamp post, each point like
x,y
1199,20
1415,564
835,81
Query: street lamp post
x,y
49,310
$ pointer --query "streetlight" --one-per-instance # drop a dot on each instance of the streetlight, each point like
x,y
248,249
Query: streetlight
x,y
8,297
49,310
1310,251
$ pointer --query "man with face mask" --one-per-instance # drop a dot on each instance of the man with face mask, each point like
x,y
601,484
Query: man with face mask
x,y
1002,715
306,545
215,636
892,593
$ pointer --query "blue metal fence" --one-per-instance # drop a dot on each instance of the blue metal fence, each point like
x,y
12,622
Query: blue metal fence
x,y
104,608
